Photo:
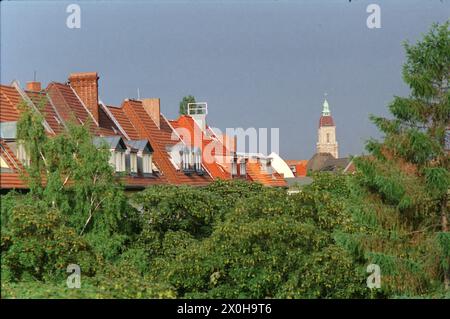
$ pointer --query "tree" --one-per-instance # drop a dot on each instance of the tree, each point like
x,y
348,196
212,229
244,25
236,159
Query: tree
x,y
37,242
243,240
71,175
184,104
409,169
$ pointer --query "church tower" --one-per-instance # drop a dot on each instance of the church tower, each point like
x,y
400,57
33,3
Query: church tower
x,y
326,141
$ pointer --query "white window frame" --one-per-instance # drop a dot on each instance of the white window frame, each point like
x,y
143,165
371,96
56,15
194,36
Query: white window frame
x,y
269,168
186,159
192,159
119,161
22,154
234,168
147,163
133,163
243,168
198,161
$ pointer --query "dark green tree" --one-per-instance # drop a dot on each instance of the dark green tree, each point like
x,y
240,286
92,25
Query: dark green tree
x,y
184,103
409,168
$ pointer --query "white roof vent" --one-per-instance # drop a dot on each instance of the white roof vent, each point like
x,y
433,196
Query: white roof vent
x,y
198,112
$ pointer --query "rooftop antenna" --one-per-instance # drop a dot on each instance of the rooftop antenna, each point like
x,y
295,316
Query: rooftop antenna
x,y
34,76
139,94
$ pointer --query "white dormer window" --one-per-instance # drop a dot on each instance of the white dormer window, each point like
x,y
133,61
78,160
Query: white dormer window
x,y
191,159
243,168
117,160
269,169
234,167
147,163
133,163
198,161
185,157
22,154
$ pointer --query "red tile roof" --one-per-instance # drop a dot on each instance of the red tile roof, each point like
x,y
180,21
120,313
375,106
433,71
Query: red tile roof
x,y
208,145
61,104
10,98
105,121
71,108
222,170
160,139
300,166
256,174
125,124
49,112
295,162
131,121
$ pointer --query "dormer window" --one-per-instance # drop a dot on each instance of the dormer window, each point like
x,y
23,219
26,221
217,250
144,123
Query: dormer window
x,y
133,163
198,161
269,169
243,168
147,163
191,160
185,155
118,160
116,147
22,154
234,166
140,157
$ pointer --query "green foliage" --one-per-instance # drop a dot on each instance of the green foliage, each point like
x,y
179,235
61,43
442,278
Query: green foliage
x,y
37,244
75,212
234,239
406,179
73,176
262,246
184,103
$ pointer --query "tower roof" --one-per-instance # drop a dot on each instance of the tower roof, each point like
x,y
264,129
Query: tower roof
x,y
326,108
326,119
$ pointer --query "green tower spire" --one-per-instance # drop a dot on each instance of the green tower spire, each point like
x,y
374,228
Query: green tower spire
x,y
326,108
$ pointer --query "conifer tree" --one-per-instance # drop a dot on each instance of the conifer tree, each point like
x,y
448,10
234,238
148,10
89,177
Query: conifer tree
x,y
409,168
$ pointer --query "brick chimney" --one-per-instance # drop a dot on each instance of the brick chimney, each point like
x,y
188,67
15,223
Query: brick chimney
x,y
153,108
86,86
33,86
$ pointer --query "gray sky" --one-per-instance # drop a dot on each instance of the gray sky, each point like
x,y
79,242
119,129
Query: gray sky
x,y
257,63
